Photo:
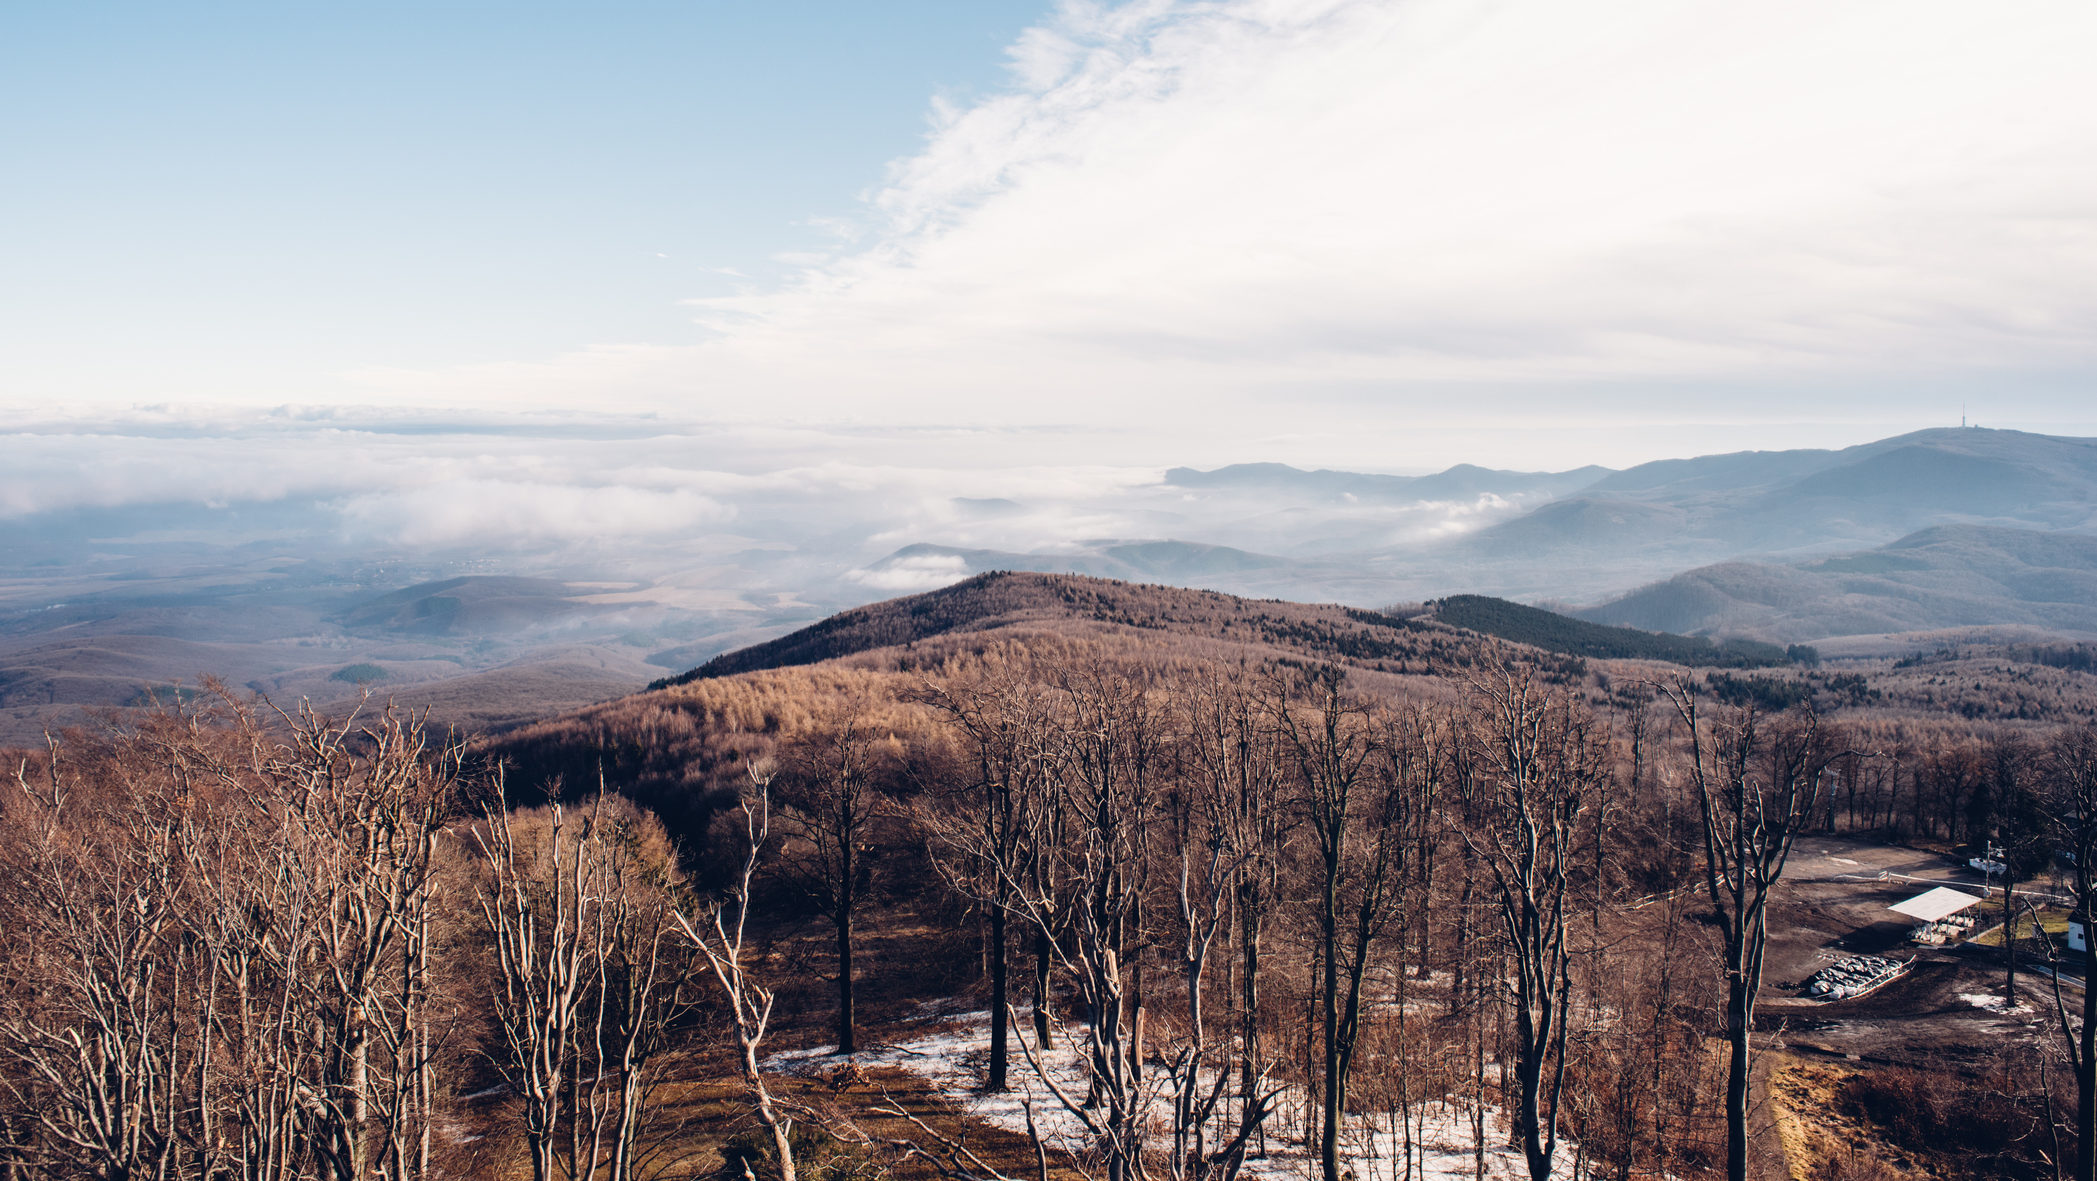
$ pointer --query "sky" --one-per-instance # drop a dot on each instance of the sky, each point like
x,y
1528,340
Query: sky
x,y
990,235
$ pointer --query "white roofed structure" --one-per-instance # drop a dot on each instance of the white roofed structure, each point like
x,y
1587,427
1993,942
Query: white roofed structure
x,y
1935,905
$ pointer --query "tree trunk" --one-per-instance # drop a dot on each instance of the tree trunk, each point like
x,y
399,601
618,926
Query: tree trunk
x,y
1044,960
1329,999
845,1041
2009,936
1249,1001
1000,1046
1738,1022
1529,1075
2086,1056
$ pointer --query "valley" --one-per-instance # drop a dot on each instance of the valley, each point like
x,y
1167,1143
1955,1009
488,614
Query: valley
x,y
1926,535
1936,678
845,766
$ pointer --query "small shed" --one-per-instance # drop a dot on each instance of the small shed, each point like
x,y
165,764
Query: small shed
x,y
1938,913
1934,906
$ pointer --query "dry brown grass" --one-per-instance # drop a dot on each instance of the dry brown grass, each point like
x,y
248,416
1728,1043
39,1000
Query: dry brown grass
x,y
1822,1140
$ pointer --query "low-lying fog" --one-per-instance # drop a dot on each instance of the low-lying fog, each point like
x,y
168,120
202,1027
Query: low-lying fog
x,y
154,548
294,552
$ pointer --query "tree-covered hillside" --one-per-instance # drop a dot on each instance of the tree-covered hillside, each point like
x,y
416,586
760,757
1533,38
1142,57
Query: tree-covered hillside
x,y
1560,633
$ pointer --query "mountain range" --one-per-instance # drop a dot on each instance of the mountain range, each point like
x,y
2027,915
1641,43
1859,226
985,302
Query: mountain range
x,y
1590,536
1950,528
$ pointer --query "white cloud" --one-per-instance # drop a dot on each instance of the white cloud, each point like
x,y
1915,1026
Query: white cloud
x,y
917,572
1183,211
384,480
499,514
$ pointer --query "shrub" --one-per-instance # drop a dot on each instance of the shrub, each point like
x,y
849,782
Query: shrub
x,y
1925,1112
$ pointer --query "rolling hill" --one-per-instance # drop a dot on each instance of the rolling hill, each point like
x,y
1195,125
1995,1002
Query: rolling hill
x,y
1945,576
1588,534
1553,632
1024,602
472,605
678,743
673,743
1941,529
1020,602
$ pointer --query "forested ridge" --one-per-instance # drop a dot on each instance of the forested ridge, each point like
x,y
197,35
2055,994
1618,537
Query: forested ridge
x,y
1007,600
1553,632
1323,916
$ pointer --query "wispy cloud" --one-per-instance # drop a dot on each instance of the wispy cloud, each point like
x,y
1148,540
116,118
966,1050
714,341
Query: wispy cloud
x,y
1187,210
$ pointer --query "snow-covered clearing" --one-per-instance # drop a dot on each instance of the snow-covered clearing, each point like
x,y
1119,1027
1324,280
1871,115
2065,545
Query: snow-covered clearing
x,y
1439,1145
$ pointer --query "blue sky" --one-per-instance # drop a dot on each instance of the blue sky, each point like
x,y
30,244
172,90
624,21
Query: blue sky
x,y
259,197
1381,234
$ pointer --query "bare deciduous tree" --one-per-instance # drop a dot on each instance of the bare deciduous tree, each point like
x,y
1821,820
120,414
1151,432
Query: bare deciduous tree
x,y
230,936
722,940
984,844
828,801
1239,762
1541,763
1361,846
1756,787
578,907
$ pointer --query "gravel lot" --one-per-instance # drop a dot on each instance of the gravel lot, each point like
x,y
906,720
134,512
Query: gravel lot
x,y
1947,1008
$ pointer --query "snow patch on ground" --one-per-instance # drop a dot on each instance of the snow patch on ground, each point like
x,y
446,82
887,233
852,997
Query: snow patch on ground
x,y
1992,1003
951,1059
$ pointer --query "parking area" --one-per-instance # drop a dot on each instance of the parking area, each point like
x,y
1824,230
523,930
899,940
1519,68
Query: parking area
x,y
1949,1004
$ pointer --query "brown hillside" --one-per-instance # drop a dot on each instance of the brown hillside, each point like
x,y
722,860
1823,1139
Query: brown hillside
x,y
680,745
1007,600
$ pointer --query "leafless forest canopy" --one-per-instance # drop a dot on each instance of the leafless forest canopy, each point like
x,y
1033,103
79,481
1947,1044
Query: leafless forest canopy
x,y
1282,880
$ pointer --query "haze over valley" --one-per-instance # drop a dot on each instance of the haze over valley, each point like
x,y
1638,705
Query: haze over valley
x,y
602,560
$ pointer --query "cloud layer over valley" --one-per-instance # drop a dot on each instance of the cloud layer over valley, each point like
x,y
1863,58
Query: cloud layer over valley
x,y
644,496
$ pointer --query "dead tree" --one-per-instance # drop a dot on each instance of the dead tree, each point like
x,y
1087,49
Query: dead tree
x,y
1755,790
